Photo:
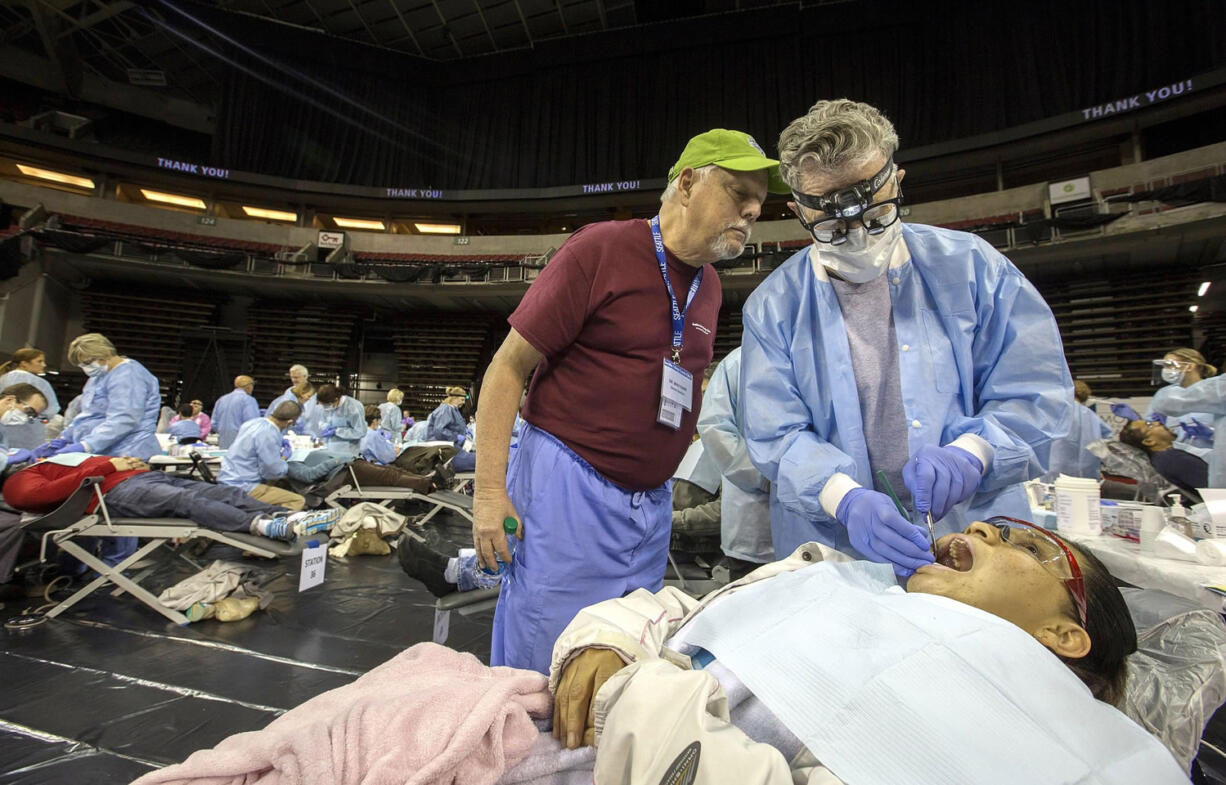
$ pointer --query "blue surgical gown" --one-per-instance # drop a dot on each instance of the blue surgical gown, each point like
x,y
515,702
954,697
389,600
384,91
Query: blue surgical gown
x,y
377,447
307,423
32,434
119,413
349,419
230,412
390,417
184,429
745,529
1069,455
445,424
254,457
979,353
1207,395
416,434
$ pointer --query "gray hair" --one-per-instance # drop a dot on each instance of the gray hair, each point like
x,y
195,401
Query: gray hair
x,y
301,368
286,410
834,136
670,192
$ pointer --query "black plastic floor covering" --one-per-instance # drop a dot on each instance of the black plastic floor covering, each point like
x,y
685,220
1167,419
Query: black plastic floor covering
x,y
111,689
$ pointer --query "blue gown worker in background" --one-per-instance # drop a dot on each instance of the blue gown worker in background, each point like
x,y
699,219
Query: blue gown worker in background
x,y
27,367
917,351
447,423
622,325
745,519
1207,397
342,422
258,457
1182,367
185,427
120,404
233,409
391,419
376,446
1069,455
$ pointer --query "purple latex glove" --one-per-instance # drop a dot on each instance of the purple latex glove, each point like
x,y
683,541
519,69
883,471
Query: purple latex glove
x,y
74,447
408,421
19,456
328,432
940,477
1197,430
45,450
878,532
1125,411
1156,417
287,449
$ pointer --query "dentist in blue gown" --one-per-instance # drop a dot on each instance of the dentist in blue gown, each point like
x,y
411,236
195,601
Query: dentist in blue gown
x,y
917,351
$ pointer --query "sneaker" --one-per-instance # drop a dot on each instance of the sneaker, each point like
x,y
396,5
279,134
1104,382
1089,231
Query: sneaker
x,y
312,522
275,528
422,561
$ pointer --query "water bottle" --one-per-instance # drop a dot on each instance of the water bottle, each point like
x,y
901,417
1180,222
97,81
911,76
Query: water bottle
x,y
509,526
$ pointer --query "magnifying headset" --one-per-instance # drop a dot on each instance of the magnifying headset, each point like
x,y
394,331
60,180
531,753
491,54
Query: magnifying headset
x,y
846,206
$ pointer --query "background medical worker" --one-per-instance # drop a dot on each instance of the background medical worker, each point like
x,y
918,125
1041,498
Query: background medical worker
x,y
447,423
27,367
1183,367
917,351
1206,396
233,409
258,458
376,446
745,523
1069,455
342,422
391,419
119,404
589,479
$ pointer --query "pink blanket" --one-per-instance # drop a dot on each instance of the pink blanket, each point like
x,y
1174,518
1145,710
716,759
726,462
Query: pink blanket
x,y
428,715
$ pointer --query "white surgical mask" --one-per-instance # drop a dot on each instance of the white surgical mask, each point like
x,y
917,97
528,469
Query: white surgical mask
x,y
93,368
863,256
1172,375
15,417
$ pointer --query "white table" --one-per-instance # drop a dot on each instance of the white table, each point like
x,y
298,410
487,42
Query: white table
x,y
1182,578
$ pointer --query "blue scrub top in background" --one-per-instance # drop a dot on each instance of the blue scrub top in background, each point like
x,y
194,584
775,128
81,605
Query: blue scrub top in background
x,y
349,419
979,353
445,424
32,434
230,412
390,417
1207,395
119,413
377,447
1069,455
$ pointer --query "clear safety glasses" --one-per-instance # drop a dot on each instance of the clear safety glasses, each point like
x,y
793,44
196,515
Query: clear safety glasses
x,y
1047,550
844,208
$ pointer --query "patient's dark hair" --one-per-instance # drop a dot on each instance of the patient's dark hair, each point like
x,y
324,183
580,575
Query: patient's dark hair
x,y
1113,636
1133,437
327,394
372,414
185,411
21,391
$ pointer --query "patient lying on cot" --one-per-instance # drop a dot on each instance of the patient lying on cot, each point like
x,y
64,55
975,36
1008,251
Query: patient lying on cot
x,y
815,669
131,490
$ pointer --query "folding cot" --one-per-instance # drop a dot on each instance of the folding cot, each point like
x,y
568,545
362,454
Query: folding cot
x,y
385,495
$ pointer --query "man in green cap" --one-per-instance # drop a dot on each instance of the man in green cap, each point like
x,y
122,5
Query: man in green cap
x,y
622,324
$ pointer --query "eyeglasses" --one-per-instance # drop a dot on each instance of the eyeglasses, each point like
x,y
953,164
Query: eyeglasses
x,y
847,206
1047,550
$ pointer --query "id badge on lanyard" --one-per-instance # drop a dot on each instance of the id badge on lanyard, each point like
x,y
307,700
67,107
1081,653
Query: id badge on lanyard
x,y
676,383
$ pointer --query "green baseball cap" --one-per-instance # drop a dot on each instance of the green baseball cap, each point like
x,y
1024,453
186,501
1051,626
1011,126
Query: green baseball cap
x,y
735,151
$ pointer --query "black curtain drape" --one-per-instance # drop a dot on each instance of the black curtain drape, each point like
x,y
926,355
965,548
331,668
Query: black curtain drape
x,y
619,106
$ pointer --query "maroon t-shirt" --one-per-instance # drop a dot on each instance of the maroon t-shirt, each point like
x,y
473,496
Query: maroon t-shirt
x,y
599,313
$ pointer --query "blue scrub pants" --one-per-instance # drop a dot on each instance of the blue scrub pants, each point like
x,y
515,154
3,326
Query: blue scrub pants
x,y
586,540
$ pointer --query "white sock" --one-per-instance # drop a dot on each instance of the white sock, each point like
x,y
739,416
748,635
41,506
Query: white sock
x,y
452,573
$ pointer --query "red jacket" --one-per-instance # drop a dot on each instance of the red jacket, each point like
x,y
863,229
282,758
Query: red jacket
x,y
45,486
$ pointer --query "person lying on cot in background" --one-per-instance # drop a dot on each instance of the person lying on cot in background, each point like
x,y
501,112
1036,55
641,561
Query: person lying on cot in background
x,y
1038,630
132,490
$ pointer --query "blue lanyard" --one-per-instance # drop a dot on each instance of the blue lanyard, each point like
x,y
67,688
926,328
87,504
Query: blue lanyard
x,y
678,313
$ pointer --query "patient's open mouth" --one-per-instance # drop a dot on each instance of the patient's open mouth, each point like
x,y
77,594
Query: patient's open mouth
x,y
956,554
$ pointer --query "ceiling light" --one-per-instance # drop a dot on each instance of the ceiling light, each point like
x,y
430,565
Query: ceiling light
x,y
360,223
1193,308
437,228
56,177
175,199
1204,287
272,215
